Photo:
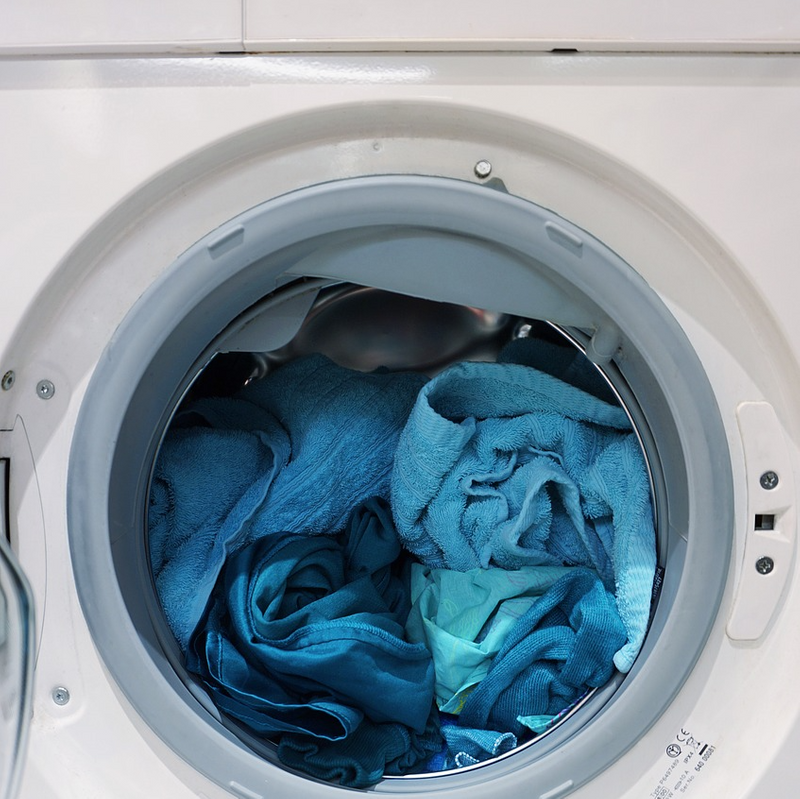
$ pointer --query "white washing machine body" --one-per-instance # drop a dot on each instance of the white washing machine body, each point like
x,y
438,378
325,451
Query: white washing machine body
x,y
118,161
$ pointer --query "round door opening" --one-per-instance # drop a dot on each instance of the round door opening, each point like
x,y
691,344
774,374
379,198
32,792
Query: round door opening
x,y
418,535
397,517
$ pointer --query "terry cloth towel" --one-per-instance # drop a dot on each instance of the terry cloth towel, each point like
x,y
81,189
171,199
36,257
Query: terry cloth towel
x,y
305,634
362,759
464,618
296,451
561,647
502,464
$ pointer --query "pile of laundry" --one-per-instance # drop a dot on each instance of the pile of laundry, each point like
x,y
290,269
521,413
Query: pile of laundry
x,y
385,574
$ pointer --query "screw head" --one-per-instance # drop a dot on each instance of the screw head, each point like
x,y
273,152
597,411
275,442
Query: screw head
x,y
483,169
765,565
60,695
8,380
769,480
45,389
523,330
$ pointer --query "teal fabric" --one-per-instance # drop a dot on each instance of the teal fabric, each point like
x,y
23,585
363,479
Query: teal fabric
x,y
542,723
363,758
467,747
537,724
500,464
305,634
563,646
464,618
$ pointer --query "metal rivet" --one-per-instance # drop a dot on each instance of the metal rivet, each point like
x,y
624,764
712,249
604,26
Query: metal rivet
x,y
8,380
483,169
60,695
765,565
45,389
769,480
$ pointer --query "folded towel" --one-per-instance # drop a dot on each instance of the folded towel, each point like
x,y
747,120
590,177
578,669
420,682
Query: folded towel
x,y
464,618
361,760
561,647
305,634
502,464
296,451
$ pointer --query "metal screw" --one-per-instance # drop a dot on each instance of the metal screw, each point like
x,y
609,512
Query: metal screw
x,y
765,565
769,480
8,380
523,330
60,695
45,389
483,169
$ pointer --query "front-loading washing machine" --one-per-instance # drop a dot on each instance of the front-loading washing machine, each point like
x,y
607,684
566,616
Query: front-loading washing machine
x,y
184,209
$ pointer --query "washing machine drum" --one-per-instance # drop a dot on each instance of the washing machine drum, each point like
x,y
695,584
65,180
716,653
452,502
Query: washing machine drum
x,y
316,413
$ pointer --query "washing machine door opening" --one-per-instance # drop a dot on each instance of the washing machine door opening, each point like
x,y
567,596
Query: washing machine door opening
x,y
364,329
423,240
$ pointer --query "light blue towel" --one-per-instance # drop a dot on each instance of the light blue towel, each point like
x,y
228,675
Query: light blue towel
x,y
502,464
294,452
201,508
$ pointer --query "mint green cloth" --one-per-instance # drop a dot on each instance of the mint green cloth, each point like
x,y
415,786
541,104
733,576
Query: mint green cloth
x,y
537,724
464,617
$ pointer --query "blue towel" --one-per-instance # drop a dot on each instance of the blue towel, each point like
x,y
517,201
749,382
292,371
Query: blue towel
x,y
201,508
361,760
296,451
502,464
461,747
305,634
563,645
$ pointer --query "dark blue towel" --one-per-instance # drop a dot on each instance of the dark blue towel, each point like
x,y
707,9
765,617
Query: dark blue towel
x,y
305,634
562,646
361,760
296,451
552,354
463,747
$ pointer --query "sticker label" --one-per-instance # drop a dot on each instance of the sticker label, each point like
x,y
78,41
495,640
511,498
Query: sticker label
x,y
685,757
